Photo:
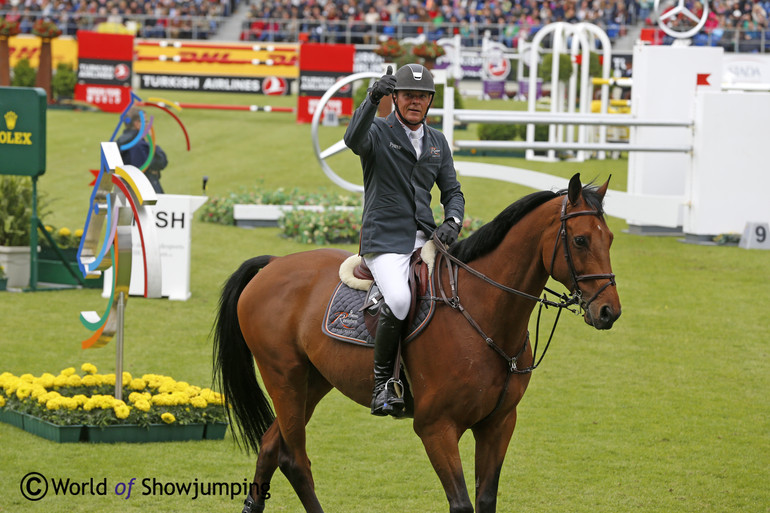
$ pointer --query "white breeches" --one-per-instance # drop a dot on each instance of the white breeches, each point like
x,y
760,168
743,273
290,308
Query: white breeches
x,y
391,272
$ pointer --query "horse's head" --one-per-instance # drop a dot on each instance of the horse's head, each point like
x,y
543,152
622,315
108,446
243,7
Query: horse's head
x,y
580,258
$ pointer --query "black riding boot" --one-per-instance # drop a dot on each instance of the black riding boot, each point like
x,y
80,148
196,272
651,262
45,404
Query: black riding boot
x,y
384,399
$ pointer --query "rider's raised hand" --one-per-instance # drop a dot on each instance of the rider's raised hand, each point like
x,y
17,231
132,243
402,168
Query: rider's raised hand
x,y
384,86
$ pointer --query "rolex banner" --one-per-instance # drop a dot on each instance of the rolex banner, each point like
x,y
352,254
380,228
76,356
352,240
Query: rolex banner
x,y
320,67
104,70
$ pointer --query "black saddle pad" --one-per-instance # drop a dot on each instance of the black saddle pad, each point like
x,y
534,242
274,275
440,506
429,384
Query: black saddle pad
x,y
344,320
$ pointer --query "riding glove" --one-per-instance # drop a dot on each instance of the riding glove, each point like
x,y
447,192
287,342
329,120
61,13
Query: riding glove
x,y
448,231
384,86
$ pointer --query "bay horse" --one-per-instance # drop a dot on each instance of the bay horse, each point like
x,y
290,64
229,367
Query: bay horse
x,y
466,370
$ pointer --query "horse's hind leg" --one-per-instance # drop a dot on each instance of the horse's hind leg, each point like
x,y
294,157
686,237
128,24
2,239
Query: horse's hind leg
x,y
288,451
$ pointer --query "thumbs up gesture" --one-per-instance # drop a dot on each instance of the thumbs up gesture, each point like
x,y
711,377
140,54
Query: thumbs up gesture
x,y
384,86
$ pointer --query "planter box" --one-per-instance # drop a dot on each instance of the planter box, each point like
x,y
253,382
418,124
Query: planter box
x,y
3,283
113,434
252,216
53,432
15,260
55,271
139,434
12,417
215,431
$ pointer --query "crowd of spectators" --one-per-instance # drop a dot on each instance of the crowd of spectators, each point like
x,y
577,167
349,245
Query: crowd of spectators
x,y
369,21
152,18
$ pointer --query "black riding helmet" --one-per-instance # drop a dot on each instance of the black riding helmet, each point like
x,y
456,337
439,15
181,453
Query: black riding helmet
x,y
414,77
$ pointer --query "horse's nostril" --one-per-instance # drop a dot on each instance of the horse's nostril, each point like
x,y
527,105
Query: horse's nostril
x,y
605,314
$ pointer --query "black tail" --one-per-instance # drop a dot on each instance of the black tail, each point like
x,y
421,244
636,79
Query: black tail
x,y
234,365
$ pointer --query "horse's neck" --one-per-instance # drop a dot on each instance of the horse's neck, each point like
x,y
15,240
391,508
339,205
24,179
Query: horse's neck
x,y
516,263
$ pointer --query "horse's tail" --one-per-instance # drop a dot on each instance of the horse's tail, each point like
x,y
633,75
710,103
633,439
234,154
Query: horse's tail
x,y
234,365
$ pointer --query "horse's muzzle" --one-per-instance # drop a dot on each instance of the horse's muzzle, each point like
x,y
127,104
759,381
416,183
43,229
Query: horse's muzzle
x,y
601,317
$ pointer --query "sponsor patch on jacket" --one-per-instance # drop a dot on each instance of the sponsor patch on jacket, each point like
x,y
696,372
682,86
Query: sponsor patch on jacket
x,y
394,146
435,152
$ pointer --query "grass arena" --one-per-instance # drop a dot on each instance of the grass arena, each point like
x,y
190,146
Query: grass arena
x,y
666,412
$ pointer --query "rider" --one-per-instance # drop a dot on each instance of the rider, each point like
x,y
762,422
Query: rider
x,y
402,158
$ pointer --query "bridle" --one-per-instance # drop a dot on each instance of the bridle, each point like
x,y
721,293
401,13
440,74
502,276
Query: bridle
x,y
564,301
577,278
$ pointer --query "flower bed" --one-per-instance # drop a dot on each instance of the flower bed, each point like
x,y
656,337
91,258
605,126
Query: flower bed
x,y
72,408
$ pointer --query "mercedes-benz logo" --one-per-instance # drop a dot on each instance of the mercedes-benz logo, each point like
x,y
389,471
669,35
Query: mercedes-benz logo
x,y
679,21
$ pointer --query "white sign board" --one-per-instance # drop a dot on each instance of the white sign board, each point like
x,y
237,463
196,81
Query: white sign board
x,y
665,82
173,221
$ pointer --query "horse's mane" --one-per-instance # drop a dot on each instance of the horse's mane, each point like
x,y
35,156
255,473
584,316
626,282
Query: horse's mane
x,y
489,236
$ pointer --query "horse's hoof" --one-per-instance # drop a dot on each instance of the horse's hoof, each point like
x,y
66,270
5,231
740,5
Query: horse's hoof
x,y
249,506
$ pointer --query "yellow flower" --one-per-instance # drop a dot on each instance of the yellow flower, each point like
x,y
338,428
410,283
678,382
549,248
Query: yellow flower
x,y
69,403
122,411
88,367
64,232
79,232
74,381
142,405
49,228
89,380
54,404
134,396
60,380
198,402
69,371
137,383
126,378
37,391
168,418
45,380
27,378
2,401
81,399
108,379
23,391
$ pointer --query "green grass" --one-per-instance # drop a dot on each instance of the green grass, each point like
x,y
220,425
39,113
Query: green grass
x,y
667,412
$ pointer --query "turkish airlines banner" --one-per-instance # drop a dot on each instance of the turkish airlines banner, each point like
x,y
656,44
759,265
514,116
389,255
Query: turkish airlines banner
x,y
320,67
105,66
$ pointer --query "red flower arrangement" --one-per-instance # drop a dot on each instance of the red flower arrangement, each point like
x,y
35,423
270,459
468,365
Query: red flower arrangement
x,y
46,29
390,50
429,50
8,27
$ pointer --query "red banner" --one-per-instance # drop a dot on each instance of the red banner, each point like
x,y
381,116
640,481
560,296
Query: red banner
x,y
320,66
105,68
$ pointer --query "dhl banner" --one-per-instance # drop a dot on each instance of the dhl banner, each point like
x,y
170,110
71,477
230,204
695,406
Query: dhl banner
x,y
64,49
231,59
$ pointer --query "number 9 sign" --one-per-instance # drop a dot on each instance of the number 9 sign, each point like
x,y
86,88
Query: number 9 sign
x,y
755,236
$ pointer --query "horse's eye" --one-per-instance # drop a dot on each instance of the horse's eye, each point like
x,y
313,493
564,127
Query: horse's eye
x,y
580,241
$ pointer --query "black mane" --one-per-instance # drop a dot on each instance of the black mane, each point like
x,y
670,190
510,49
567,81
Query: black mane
x,y
489,236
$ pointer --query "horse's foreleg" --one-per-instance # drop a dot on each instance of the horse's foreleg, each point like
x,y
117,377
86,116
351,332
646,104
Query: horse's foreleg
x,y
440,441
492,439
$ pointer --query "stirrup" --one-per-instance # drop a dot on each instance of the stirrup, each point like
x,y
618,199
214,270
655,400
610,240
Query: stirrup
x,y
398,387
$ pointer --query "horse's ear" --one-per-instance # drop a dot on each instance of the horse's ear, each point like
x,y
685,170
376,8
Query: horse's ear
x,y
601,191
574,189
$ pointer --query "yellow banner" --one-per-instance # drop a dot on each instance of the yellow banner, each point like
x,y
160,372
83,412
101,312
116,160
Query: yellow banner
x,y
229,59
64,49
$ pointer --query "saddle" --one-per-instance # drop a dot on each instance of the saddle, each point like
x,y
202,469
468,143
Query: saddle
x,y
354,308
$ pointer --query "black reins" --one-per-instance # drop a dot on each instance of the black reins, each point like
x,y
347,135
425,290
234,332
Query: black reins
x,y
453,265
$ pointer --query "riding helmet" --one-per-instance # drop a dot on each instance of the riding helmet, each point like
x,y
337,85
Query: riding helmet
x,y
415,77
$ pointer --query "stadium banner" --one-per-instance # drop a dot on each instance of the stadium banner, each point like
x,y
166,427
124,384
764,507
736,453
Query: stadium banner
x,y
193,58
104,70
320,66
272,86
64,50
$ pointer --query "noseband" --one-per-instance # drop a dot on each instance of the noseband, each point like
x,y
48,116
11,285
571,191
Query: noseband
x,y
577,293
